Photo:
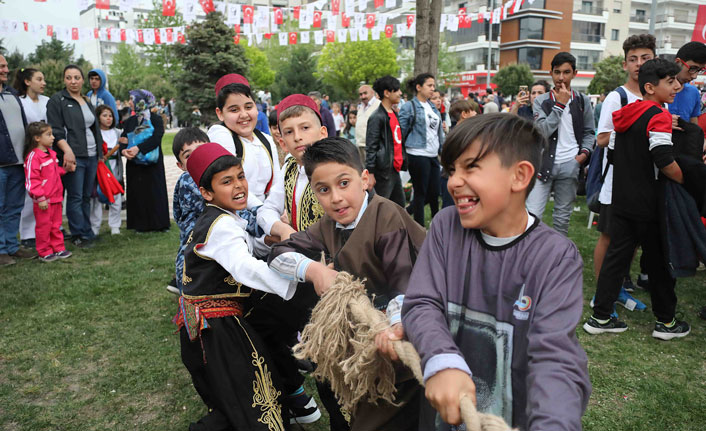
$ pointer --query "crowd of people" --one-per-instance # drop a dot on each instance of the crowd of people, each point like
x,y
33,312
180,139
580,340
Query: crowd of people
x,y
271,188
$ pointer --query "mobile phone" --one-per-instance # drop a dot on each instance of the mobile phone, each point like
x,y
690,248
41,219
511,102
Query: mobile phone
x,y
523,88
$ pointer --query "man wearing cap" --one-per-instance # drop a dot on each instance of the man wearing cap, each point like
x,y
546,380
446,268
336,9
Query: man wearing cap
x,y
238,114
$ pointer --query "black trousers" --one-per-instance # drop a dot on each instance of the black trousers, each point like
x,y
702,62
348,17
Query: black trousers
x,y
625,235
426,174
389,185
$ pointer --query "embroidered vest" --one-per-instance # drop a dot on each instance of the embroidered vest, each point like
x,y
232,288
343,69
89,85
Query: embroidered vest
x,y
309,210
203,276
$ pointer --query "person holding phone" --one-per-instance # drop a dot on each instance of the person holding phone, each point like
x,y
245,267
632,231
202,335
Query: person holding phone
x,y
525,99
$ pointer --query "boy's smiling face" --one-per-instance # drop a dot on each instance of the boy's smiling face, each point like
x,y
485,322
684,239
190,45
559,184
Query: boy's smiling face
x,y
665,90
185,153
239,114
340,190
485,191
230,189
298,133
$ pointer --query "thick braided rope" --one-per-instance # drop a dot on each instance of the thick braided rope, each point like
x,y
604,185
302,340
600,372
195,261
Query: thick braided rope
x,y
340,339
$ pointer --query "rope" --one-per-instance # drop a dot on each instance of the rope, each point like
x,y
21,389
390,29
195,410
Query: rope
x,y
340,339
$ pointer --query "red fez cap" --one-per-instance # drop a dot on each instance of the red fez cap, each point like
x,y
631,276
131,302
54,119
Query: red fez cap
x,y
231,78
202,157
298,99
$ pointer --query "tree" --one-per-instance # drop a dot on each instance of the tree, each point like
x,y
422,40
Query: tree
x,y
126,72
261,75
15,61
208,54
449,63
163,58
346,65
609,75
296,75
509,78
54,49
426,47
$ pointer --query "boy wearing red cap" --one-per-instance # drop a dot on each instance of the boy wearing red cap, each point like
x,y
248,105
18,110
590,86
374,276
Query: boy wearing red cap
x,y
238,114
225,357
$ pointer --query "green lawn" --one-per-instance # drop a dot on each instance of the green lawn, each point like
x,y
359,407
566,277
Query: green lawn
x,y
167,141
88,344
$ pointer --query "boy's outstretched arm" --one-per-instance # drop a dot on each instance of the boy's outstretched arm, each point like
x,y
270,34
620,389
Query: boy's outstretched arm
x,y
558,386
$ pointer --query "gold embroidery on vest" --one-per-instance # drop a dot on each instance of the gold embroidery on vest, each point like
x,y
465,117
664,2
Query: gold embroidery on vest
x,y
232,282
309,211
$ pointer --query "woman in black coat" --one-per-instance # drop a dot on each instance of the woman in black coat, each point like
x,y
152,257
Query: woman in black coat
x,y
147,204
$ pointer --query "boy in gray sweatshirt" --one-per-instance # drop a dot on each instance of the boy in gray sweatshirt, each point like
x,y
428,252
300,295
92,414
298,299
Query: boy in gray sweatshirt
x,y
497,294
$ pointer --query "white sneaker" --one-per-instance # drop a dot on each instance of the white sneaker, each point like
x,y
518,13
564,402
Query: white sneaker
x,y
173,289
115,231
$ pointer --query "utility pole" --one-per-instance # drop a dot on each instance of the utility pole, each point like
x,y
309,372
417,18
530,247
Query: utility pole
x,y
653,15
490,43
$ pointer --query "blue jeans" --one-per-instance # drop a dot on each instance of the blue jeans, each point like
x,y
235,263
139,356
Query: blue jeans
x,y
12,199
564,181
79,187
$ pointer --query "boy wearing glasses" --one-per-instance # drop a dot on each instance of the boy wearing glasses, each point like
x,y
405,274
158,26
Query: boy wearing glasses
x,y
692,60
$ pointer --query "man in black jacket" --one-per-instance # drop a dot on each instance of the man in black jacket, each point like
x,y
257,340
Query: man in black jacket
x,y
384,155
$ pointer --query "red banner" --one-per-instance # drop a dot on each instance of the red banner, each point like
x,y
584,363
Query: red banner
x,y
168,7
123,35
140,36
248,12
335,7
50,30
699,34
410,20
378,3
181,38
279,18
207,6
157,37
330,36
345,20
26,26
236,39
317,19
74,33
370,20
237,28
292,37
297,9
388,31
102,4
170,34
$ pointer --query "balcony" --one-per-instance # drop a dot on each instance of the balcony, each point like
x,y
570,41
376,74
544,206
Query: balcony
x,y
639,18
586,10
586,38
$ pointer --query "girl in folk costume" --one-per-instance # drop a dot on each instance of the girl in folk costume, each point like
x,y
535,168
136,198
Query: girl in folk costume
x,y
43,183
237,111
111,136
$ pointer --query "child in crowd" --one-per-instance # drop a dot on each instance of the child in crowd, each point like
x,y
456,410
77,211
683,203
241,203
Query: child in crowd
x,y
292,199
494,316
643,141
187,202
43,183
460,110
111,135
368,236
237,111
228,363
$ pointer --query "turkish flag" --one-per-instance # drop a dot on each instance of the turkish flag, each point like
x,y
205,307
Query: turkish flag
x,y
317,19
335,7
480,18
157,37
168,7
170,35
50,30
181,38
123,35
279,19
462,11
468,21
345,20
369,20
74,33
296,11
102,4
140,36
207,6
26,26
330,36
268,36
236,27
248,12
107,33
410,20
236,39
378,3
699,34
292,37
388,31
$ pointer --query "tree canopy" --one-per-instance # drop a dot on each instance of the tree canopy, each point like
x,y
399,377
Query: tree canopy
x,y
509,78
261,75
609,75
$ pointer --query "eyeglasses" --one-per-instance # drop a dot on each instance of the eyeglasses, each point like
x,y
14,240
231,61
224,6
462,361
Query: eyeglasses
x,y
694,70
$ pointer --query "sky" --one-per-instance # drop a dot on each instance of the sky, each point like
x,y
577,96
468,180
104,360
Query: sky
x,y
55,12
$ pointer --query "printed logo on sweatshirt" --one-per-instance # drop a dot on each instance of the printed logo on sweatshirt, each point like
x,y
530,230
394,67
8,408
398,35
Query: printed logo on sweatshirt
x,y
523,304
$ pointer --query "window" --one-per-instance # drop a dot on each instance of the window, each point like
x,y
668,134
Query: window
x,y
615,34
538,4
587,32
531,56
585,59
617,6
531,28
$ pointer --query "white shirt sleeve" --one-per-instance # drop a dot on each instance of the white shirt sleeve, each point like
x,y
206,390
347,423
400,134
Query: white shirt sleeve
x,y
273,207
230,246
221,135
610,105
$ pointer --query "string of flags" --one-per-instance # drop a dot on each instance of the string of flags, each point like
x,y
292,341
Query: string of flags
x,y
258,23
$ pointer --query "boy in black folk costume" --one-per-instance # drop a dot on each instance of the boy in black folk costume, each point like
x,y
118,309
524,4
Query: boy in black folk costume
x,y
226,359
642,146
367,236
497,294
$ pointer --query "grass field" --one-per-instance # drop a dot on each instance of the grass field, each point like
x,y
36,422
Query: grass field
x,y
88,344
167,141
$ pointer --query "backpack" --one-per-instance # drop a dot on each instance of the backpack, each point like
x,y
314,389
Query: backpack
x,y
596,175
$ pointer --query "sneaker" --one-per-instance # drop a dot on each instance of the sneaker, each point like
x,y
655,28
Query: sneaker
x,y
629,302
310,413
29,243
48,258
63,254
24,253
678,329
613,314
613,325
643,282
627,285
115,231
81,243
172,287
6,260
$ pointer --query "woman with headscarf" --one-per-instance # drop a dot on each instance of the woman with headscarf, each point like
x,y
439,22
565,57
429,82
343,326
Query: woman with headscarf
x,y
147,204
78,143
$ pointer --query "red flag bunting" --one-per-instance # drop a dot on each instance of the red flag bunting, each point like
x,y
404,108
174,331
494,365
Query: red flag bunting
x,y
157,37
123,35
168,7
26,26
248,12
480,17
74,33
699,34
317,19
268,36
292,37
207,6
369,20
170,34
345,20
335,7
410,20
236,39
330,36
50,30
181,38
140,36
388,31
102,4
279,18
297,9
237,28
378,3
